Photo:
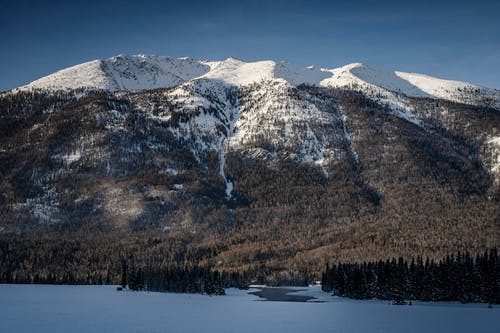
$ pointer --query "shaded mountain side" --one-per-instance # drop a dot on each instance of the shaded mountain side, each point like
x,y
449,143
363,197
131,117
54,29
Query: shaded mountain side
x,y
316,174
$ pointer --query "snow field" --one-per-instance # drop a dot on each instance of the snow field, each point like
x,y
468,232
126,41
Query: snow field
x,y
43,308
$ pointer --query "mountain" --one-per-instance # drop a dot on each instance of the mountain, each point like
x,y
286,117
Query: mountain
x,y
411,85
260,166
394,89
141,72
124,72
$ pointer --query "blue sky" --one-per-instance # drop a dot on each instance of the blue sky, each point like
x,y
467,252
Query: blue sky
x,y
451,39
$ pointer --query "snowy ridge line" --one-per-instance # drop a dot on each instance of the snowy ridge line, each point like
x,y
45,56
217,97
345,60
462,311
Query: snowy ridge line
x,y
142,72
124,73
396,84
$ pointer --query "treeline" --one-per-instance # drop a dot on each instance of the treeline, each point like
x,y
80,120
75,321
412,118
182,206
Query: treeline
x,y
459,277
180,279
67,278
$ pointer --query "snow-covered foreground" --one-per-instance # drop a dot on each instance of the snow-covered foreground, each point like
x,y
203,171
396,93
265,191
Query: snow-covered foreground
x,y
30,308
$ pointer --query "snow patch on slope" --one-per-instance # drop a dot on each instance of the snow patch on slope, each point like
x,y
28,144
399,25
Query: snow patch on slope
x,y
210,122
494,144
292,127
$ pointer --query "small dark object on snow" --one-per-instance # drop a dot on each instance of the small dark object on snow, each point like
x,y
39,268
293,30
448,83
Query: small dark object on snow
x,y
119,289
399,301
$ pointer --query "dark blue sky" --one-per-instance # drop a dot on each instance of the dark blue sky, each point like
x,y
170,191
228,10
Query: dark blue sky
x,y
451,39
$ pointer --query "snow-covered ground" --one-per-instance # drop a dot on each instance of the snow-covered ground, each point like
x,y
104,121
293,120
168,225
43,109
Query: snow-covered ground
x,y
30,308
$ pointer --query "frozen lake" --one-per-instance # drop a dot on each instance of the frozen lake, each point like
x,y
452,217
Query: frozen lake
x,y
37,308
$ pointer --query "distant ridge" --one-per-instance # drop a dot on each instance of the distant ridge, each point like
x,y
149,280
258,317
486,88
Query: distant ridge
x,y
143,72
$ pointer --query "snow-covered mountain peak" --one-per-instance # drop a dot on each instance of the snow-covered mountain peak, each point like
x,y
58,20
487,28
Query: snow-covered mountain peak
x,y
124,72
233,59
354,65
141,72
375,81
363,75
296,75
239,73
442,88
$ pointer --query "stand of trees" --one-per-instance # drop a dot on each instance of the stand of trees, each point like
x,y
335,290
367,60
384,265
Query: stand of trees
x,y
179,279
459,277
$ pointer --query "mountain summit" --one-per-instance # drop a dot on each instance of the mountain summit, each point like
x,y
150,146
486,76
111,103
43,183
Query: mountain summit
x,y
125,73
142,72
